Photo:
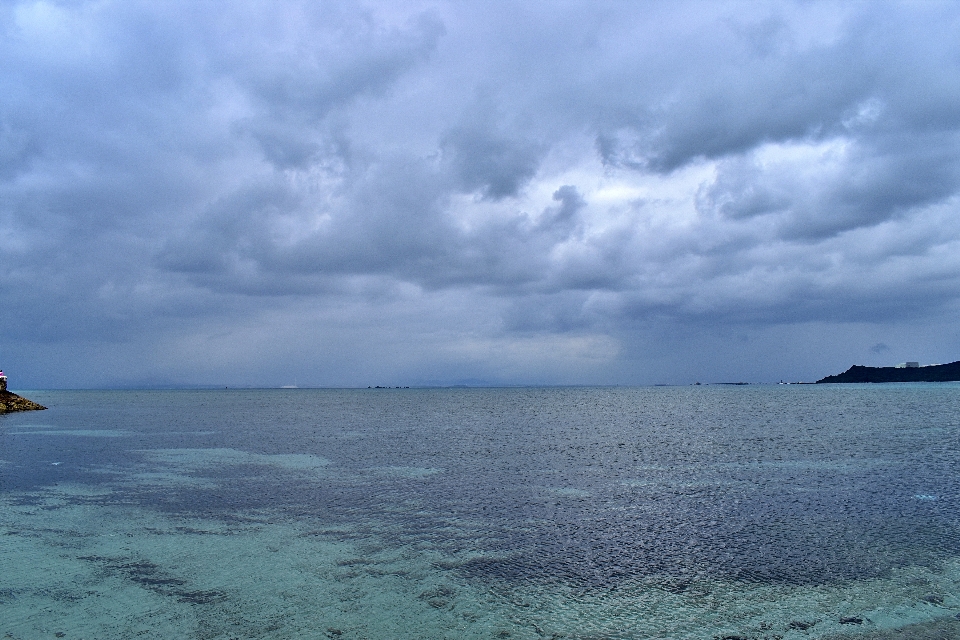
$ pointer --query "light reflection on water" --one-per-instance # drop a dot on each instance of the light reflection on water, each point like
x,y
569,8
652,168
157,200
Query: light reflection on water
x,y
584,512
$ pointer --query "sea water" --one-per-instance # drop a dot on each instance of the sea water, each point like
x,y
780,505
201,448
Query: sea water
x,y
685,512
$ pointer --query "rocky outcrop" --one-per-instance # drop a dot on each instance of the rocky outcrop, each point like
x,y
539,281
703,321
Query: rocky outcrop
x,y
933,373
10,401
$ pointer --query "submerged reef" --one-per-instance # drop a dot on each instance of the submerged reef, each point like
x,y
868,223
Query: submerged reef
x,y
10,402
931,373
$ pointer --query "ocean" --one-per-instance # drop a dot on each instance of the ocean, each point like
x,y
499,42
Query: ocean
x,y
709,512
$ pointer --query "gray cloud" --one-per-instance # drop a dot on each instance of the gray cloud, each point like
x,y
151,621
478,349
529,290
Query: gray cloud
x,y
537,194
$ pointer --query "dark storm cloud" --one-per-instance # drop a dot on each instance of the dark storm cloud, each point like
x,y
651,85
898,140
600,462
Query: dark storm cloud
x,y
489,157
500,194
859,184
292,91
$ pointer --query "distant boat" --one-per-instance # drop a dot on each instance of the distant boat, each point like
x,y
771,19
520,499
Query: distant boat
x,y
289,386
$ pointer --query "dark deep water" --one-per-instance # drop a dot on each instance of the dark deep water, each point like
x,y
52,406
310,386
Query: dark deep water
x,y
715,511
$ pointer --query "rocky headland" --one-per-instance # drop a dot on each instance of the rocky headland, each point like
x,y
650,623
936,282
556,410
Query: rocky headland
x,y
10,402
931,373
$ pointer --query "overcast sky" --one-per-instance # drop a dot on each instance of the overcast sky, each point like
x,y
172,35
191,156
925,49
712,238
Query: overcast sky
x,y
360,193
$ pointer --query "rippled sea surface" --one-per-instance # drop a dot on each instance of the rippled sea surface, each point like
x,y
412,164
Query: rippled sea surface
x,y
716,512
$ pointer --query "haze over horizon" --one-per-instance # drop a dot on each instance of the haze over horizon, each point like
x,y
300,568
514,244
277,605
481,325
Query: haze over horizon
x,y
435,193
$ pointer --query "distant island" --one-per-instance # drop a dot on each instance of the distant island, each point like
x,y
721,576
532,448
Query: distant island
x,y
10,401
907,372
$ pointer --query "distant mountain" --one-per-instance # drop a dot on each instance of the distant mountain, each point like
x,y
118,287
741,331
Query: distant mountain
x,y
933,373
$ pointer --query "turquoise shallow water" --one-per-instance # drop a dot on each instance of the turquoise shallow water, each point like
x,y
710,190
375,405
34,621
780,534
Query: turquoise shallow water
x,y
702,512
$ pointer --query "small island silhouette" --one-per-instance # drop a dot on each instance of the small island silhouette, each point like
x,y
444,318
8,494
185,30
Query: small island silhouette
x,y
930,373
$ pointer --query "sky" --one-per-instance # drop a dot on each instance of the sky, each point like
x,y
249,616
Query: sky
x,y
265,193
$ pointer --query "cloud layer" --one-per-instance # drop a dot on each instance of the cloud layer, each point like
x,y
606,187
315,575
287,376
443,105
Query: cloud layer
x,y
352,193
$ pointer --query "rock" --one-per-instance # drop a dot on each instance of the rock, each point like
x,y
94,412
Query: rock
x,y
10,402
802,625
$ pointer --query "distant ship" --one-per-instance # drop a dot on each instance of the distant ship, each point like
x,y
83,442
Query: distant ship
x,y
904,372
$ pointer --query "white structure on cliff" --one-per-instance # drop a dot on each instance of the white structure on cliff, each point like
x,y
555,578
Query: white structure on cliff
x,y
3,381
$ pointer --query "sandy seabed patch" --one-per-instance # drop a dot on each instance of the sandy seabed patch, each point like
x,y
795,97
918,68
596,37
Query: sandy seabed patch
x,y
73,564
89,571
